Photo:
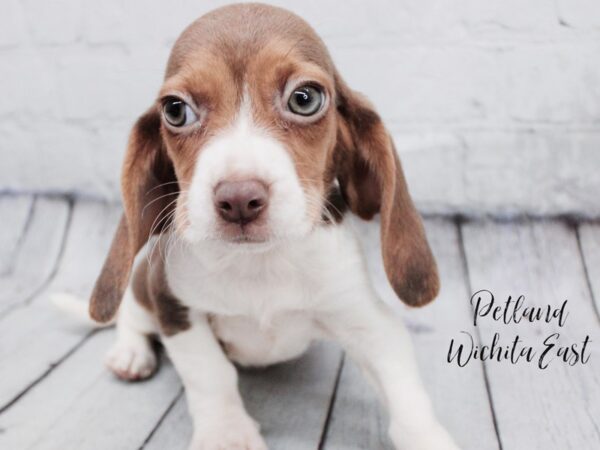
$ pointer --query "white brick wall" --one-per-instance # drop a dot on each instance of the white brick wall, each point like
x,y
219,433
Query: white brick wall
x,y
495,105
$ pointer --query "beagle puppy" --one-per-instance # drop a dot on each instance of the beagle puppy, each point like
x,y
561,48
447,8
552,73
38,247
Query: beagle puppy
x,y
236,181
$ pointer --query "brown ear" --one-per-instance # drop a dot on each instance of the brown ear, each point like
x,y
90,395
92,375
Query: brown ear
x,y
371,180
149,187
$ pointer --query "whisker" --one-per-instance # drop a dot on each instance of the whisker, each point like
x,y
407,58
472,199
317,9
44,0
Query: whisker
x,y
157,199
166,184
154,224
157,222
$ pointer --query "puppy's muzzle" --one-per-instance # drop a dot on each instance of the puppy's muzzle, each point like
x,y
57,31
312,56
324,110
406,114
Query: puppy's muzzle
x,y
241,202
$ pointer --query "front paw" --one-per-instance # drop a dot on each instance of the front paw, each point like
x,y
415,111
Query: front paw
x,y
132,360
434,437
234,431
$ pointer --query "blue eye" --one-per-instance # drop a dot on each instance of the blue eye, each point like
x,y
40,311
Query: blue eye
x,y
306,100
178,113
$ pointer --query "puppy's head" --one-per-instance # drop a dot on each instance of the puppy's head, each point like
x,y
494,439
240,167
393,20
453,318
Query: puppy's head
x,y
252,132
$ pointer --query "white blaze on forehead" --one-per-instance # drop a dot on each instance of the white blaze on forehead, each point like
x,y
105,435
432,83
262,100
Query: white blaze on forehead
x,y
243,121
245,151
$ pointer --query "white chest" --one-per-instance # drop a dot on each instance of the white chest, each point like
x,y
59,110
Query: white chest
x,y
292,276
262,302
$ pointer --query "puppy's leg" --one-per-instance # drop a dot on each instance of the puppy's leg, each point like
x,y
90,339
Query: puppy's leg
x,y
380,343
132,357
210,380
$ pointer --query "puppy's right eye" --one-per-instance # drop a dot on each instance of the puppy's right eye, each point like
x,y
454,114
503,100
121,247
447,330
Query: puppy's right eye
x,y
178,113
305,100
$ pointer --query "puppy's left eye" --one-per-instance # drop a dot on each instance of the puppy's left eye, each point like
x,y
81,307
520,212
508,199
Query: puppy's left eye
x,y
178,113
306,100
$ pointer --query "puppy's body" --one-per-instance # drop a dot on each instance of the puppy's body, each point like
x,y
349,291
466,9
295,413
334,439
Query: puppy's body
x,y
239,168
264,305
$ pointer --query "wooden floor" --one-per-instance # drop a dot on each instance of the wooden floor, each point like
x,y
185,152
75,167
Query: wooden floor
x,y
56,394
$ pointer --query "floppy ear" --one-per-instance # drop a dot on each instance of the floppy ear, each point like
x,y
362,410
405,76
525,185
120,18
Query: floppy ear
x,y
147,181
372,181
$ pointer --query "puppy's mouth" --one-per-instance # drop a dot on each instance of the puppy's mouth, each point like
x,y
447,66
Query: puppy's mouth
x,y
244,233
247,239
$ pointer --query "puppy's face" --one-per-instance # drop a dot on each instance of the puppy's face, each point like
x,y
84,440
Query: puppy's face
x,y
252,132
251,135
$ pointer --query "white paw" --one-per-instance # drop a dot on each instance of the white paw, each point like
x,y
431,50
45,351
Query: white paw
x,y
433,438
131,360
235,431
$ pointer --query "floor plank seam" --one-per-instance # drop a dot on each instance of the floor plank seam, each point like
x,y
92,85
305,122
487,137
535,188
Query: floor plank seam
x,y
162,418
21,237
44,285
45,374
330,407
586,272
463,256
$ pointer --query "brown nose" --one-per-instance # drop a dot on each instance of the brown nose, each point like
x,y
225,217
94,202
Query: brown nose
x,y
240,201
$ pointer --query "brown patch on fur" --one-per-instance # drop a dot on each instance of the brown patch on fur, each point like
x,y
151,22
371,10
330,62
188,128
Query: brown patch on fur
x,y
173,316
151,290
113,278
148,185
208,79
372,180
238,32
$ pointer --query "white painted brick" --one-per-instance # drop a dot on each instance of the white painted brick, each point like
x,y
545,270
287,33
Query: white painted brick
x,y
424,83
428,21
554,83
52,153
432,162
54,21
559,83
62,157
105,83
139,22
91,83
27,84
12,24
546,172
459,83
107,149
579,14
105,22
504,17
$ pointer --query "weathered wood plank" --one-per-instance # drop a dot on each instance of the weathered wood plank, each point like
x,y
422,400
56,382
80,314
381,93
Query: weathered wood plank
x,y
590,245
358,421
81,405
175,432
36,337
14,215
290,401
555,408
35,261
459,394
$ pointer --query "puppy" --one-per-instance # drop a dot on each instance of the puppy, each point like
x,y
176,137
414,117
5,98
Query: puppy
x,y
240,175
